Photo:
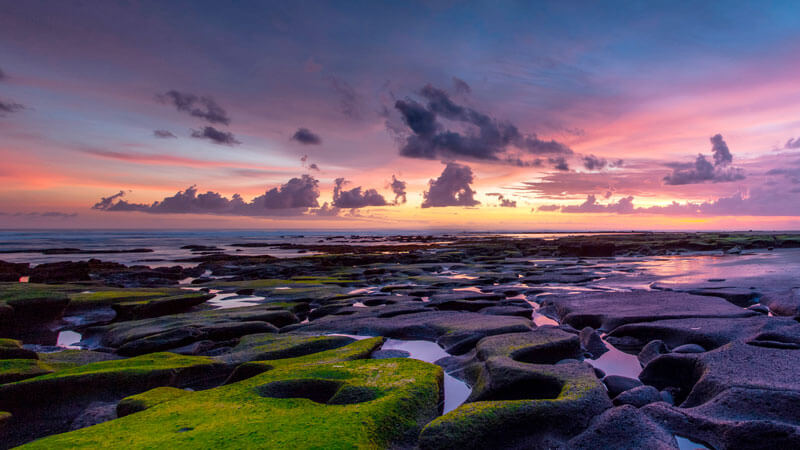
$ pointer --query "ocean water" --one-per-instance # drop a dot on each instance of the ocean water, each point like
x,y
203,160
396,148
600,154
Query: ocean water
x,y
26,246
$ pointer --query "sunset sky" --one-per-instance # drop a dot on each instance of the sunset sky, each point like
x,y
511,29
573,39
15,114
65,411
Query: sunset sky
x,y
400,115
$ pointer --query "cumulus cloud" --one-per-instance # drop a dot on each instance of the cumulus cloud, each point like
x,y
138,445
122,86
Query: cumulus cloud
x,y
9,107
355,198
756,202
452,188
294,197
325,210
216,136
307,165
306,137
163,134
792,143
504,202
703,170
203,107
399,190
480,138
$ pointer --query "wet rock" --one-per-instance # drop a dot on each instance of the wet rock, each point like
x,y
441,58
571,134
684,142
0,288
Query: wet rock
x,y
592,342
11,272
586,249
624,428
178,337
457,332
617,384
709,333
652,350
638,396
688,348
60,272
608,311
783,303
761,309
507,311
386,354
738,296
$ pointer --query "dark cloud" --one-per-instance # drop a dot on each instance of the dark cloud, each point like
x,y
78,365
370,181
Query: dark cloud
x,y
325,210
559,163
792,143
46,215
484,138
452,188
216,136
504,202
311,166
198,106
461,86
355,198
549,208
349,102
399,190
292,198
306,137
164,134
703,170
9,107
592,162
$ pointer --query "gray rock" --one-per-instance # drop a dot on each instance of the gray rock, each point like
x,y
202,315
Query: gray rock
x,y
689,348
618,384
638,396
592,342
608,311
96,412
652,350
623,428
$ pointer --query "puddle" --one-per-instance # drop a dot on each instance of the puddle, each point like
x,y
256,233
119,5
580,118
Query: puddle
x,y
233,300
24,279
455,390
617,362
68,339
469,289
688,444
359,305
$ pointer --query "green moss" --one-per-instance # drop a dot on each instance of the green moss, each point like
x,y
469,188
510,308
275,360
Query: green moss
x,y
359,404
271,346
145,400
109,297
12,370
140,365
71,358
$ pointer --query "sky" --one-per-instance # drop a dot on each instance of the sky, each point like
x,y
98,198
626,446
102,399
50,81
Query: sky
x,y
495,115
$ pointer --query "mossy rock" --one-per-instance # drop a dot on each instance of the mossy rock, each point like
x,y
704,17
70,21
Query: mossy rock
x,y
327,400
196,326
147,308
123,376
520,398
12,349
145,400
5,418
279,346
12,370
30,303
71,358
88,299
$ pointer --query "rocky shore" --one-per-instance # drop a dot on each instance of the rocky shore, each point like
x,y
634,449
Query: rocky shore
x,y
575,342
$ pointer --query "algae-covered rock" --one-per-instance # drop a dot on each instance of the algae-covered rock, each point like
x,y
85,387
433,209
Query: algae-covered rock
x,y
256,347
12,370
22,304
153,397
49,403
519,397
326,400
12,349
